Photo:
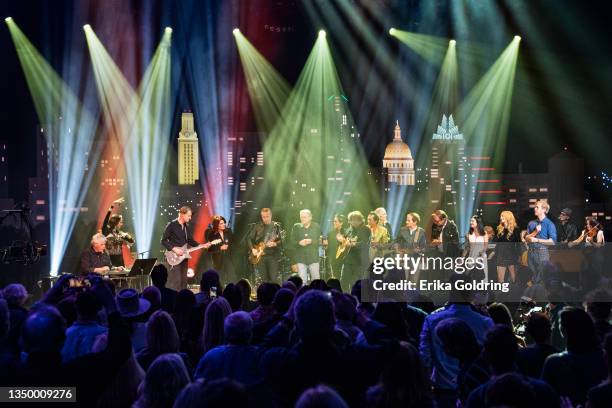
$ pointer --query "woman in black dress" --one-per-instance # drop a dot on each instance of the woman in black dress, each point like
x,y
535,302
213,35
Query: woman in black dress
x,y
507,241
221,253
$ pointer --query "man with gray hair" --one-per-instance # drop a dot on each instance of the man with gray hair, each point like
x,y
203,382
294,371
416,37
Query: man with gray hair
x,y
95,259
383,221
305,238
237,359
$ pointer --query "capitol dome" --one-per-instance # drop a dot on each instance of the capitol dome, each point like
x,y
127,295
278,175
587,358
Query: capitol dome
x,y
398,160
397,149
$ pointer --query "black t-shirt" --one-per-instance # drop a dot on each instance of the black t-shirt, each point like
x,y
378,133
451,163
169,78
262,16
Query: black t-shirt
x,y
308,254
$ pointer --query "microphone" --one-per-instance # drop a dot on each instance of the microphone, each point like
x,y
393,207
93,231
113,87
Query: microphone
x,y
142,253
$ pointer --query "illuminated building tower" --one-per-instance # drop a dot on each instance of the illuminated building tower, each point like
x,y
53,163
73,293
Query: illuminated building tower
x,y
398,161
448,163
341,151
188,157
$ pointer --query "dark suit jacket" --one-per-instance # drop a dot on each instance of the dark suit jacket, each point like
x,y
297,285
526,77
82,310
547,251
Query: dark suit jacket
x,y
174,236
450,238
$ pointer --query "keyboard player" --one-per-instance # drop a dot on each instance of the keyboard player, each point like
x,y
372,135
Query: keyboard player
x,y
96,259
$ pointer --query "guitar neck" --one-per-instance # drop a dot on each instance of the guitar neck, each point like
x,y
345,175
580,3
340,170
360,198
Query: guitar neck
x,y
195,248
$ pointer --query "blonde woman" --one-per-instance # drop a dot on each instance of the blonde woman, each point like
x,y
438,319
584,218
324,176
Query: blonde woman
x,y
507,241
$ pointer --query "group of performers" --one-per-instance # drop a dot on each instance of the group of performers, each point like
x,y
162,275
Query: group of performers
x,y
347,251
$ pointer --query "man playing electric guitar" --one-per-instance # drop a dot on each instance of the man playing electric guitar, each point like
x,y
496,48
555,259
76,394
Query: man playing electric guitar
x,y
264,248
176,235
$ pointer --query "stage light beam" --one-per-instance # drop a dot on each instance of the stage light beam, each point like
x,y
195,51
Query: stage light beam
x,y
69,129
140,121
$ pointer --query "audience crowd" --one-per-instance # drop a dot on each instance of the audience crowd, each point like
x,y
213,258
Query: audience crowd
x,y
301,345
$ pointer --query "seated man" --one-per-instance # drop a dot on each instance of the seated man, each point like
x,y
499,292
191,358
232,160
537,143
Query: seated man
x,y
95,259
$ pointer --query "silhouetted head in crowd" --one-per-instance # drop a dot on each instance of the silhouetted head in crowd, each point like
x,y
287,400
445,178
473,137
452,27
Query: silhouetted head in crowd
x,y
232,294
245,291
282,300
185,301
4,319
297,281
500,348
159,275
192,395
265,293
153,295
290,285
344,307
210,279
314,316
334,283
539,328
43,331
238,328
217,393
578,329
87,306
162,336
598,304
391,315
318,284
165,378
319,397
214,319
67,308
368,307
510,390
403,381
500,314
458,339
15,295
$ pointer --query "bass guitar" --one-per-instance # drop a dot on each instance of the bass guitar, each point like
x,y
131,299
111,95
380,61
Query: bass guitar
x,y
174,259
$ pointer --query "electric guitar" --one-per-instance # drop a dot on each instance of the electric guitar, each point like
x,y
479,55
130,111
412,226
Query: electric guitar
x,y
255,258
174,259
